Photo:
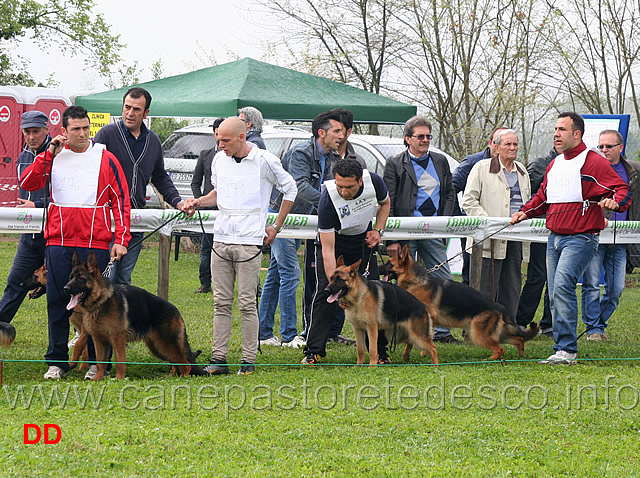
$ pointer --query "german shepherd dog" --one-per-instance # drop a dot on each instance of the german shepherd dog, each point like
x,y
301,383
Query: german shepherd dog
x,y
7,334
115,314
374,305
456,305
37,284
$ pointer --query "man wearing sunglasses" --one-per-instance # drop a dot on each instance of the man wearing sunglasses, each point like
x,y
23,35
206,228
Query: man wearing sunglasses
x,y
596,310
420,184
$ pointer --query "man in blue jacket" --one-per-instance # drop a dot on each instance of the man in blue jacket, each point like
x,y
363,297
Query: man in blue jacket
x,y
139,152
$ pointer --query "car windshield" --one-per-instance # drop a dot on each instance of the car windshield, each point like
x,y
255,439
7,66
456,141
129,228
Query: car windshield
x,y
187,145
389,150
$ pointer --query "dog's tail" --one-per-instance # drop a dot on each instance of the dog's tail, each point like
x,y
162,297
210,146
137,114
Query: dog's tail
x,y
527,334
7,334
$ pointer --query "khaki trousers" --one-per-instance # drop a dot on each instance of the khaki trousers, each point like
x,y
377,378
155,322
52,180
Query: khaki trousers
x,y
224,274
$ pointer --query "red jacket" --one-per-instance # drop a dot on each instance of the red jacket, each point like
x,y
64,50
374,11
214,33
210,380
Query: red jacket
x,y
85,221
598,179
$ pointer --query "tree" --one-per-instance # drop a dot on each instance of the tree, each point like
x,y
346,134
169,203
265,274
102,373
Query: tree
x,y
598,50
70,25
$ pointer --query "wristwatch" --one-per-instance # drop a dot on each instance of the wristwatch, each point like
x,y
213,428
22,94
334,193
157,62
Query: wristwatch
x,y
277,228
380,230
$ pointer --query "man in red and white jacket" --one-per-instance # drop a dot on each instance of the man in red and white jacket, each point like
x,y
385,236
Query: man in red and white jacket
x,y
577,186
87,186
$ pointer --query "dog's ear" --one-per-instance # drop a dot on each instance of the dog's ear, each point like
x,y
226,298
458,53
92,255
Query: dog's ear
x,y
75,261
340,261
355,267
92,263
404,252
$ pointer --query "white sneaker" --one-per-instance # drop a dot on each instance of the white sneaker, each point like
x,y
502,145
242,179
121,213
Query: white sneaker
x,y
55,373
275,341
73,341
561,358
296,343
92,372
595,337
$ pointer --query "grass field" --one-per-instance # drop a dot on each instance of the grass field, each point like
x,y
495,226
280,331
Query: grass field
x,y
464,418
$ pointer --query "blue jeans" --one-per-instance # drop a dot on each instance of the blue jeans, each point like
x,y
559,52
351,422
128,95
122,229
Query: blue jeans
x,y
433,252
122,270
596,310
281,286
567,259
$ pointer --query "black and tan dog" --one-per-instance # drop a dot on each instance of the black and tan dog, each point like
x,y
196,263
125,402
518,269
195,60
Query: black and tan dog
x,y
115,314
456,305
374,305
37,284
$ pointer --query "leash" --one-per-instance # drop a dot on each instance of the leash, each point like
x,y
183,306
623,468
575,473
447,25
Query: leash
x,y
469,248
109,268
260,248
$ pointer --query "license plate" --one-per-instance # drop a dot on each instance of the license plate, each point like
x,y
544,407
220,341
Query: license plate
x,y
182,176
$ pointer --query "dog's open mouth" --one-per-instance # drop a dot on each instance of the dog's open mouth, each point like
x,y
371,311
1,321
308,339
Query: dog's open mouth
x,y
75,300
333,297
37,292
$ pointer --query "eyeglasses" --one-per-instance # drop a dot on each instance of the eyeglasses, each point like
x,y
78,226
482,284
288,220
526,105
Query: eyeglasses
x,y
422,137
608,146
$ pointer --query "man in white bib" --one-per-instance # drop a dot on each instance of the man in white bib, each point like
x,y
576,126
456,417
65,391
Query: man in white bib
x,y
577,186
87,187
242,176
345,212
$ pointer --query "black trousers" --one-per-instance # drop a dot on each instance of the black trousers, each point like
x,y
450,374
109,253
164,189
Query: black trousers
x,y
532,290
323,313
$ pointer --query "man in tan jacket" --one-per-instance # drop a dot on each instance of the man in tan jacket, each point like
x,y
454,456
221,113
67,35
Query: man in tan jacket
x,y
498,187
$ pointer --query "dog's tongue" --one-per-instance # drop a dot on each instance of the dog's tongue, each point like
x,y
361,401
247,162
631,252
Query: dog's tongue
x,y
73,301
334,297
385,278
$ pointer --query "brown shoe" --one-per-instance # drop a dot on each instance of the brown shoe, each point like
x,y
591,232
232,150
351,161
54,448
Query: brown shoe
x,y
204,289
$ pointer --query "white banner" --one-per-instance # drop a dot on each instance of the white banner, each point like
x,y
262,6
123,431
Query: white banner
x,y
299,226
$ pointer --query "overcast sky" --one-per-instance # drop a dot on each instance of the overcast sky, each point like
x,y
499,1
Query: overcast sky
x,y
182,33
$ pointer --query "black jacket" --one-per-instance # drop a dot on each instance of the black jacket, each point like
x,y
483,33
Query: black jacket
x,y
400,178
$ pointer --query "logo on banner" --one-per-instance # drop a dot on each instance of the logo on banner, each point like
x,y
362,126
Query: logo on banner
x,y
423,226
5,113
345,211
24,217
54,116
136,218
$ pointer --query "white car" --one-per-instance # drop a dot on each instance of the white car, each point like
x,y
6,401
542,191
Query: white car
x,y
182,149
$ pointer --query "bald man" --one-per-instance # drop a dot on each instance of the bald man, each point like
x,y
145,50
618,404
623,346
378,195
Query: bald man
x,y
242,176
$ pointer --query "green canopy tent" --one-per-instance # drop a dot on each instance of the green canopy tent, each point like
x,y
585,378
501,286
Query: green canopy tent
x,y
279,93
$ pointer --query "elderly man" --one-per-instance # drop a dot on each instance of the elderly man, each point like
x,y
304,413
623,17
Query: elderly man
x,y
419,183
139,152
498,187
30,253
577,186
242,176
596,310
252,119
460,176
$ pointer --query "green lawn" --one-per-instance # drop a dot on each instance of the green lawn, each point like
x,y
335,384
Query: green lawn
x,y
464,418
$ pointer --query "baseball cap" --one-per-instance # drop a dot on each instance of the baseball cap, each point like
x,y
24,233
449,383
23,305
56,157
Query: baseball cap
x,y
34,119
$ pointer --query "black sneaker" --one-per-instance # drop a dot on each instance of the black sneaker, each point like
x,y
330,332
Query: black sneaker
x,y
448,339
246,369
341,339
384,361
217,367
311,359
